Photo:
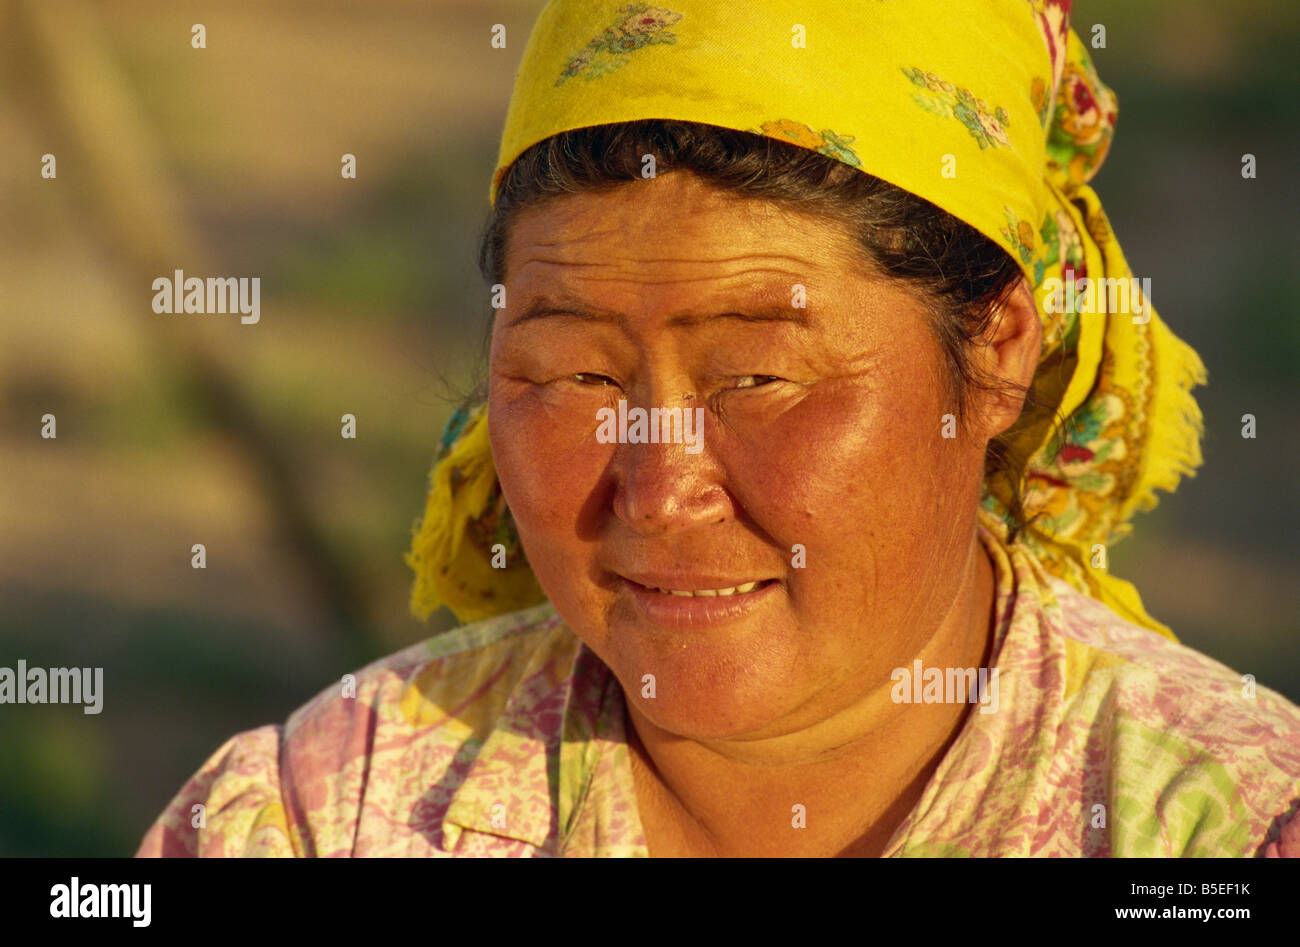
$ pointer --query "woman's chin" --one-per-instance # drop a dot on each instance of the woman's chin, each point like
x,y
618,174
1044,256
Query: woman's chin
x,y
708,715
707,689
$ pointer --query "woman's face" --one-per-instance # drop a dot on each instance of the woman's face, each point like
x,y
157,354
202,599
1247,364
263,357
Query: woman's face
x,y
821,472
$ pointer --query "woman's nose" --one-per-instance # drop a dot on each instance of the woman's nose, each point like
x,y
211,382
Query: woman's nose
x,y
670,485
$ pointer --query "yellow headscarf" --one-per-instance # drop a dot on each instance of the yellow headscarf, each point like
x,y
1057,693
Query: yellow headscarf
x,y
991,110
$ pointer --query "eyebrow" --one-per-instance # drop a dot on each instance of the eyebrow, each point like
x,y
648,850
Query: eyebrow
x,y
547,307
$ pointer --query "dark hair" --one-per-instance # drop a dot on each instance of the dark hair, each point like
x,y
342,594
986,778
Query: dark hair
x,y
963,276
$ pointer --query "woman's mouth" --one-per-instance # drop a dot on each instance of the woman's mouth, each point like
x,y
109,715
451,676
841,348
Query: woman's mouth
x,y
741,589
684,603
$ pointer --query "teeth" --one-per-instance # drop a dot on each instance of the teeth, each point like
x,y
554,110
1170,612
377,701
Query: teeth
x,y
711,593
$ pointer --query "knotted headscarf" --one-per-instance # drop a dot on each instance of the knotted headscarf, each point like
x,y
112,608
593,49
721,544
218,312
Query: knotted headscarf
x,y
995,114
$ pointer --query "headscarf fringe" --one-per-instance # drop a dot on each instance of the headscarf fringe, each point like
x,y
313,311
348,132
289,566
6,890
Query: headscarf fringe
x,y
1177,424
450,570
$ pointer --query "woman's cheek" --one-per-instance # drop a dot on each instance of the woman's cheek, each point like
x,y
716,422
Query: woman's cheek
x,y
826,481
546,453
790,477
804,453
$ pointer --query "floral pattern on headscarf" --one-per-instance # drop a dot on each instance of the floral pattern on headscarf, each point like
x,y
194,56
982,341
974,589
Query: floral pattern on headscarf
x,y
824,142
1083,125
987,125
640,26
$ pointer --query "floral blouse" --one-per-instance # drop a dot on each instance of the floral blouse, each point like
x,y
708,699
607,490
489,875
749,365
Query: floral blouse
x,y
507,737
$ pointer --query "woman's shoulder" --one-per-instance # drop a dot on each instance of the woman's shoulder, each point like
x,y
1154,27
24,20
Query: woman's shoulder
x,y
443,669
1175,724
1104,649
1110,740
370,752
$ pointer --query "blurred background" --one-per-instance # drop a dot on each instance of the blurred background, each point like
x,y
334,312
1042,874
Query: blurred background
x,y
198,429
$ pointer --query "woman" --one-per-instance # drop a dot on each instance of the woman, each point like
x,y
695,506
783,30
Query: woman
x,y
783,520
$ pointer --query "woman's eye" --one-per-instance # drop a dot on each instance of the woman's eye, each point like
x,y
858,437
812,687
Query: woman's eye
x,y
602,381
589,378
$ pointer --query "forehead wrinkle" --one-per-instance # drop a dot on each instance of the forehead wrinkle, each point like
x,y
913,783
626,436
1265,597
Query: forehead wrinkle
x,y
802,263
758,286
708,278
755,309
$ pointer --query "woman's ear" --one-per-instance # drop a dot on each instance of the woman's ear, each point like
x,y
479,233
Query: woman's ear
x,y
1007,355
